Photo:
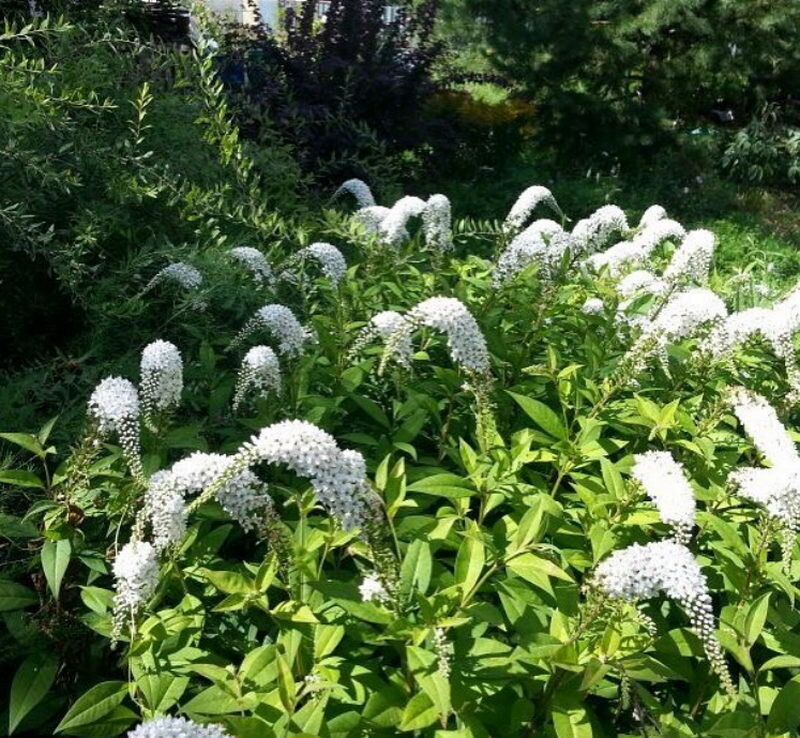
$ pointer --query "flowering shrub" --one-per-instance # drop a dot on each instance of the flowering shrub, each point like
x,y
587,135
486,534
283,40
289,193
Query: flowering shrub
x,y
384,472
522,489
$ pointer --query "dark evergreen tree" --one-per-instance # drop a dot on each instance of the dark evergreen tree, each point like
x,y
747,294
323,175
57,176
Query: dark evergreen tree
x,y
616,70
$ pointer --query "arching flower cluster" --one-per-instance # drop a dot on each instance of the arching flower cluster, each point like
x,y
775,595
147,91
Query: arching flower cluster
x,y
685,315
329,258
161,369
692,260
281,323
393,229
592,233
176,727
256,263
644,572
384,326
665,483
542,243
637,251
776,326
593,306
338,477
358,189
390,225
437,223
776,488
114,405
260,374
447,315
526,203
180,273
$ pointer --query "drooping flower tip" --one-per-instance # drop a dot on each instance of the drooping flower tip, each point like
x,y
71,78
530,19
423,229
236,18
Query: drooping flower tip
x,y
358,189
255,262
450,316
526,203
181,273
260,373
338,477
330,259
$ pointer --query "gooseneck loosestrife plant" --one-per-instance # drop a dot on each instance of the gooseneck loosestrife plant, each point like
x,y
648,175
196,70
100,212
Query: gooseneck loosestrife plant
x,y
601,540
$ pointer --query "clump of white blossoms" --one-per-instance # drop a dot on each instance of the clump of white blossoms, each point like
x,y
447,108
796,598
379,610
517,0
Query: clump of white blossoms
x,y
180,273
526,203
665,483
776,489
762,425
330,260
437,223
450,316
393,227
643,572
592,233
692,260
372,589
444,652
242,494
638,250
593,306
338,477
776,325
280,322
640,282
255,262
114,405
384,326
685,315
161,370
370,219
164,510
176,727
136,578
652,215
260,373
358,189
535,245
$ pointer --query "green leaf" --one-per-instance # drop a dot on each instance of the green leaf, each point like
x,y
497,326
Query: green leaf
x,y
571,720
94,705
229,582
756,617
420,712
424,666
31,683
444,485
55,560
161,690
417,566
26,441
14,596
542,415
784,716
20,478
470,560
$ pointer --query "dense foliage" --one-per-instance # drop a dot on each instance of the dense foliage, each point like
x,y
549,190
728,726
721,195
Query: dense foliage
x,y
610,74
346,93
361,469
